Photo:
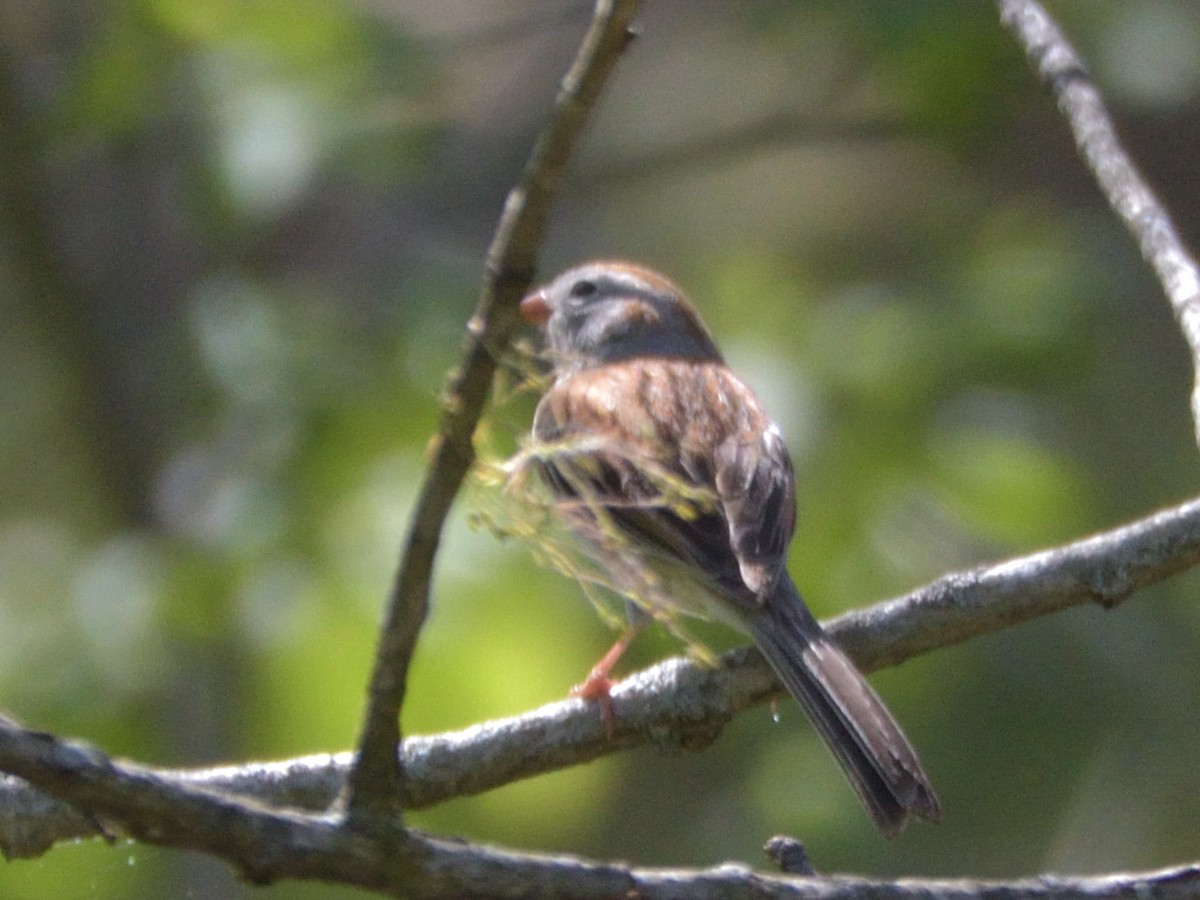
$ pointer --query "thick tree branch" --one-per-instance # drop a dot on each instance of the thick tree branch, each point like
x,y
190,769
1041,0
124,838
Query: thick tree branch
x,y
677,702
1127,192
375,784
266,845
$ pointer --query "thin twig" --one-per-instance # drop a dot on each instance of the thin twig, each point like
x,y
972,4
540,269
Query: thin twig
x,y
1127,192
375,785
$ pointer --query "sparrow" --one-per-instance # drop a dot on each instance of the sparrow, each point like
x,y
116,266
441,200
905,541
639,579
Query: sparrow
x,y
678,485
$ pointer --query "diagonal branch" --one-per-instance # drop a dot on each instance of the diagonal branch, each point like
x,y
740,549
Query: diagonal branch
x,y
376,781
677,702
1127,192
681,703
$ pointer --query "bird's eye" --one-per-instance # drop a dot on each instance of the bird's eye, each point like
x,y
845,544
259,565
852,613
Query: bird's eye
x,y
583,288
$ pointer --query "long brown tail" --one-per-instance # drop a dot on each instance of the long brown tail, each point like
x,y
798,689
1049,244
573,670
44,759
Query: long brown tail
x,y
847,713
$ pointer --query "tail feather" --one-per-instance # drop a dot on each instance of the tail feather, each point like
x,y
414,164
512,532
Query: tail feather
x,y
854,723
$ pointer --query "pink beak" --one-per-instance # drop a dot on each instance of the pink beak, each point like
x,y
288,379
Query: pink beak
x,y
535,309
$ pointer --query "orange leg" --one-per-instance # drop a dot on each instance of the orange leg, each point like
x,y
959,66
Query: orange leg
x,y
598,684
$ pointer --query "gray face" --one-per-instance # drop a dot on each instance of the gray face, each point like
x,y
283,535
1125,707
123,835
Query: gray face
x,y
606,312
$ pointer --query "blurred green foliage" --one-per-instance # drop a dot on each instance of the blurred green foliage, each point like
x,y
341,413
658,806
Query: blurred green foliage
x,y
240,242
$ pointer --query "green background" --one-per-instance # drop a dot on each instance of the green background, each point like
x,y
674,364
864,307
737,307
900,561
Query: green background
x,y
239,243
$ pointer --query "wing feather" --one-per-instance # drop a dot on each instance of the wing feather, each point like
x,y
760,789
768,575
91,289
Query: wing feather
x,y
682,459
